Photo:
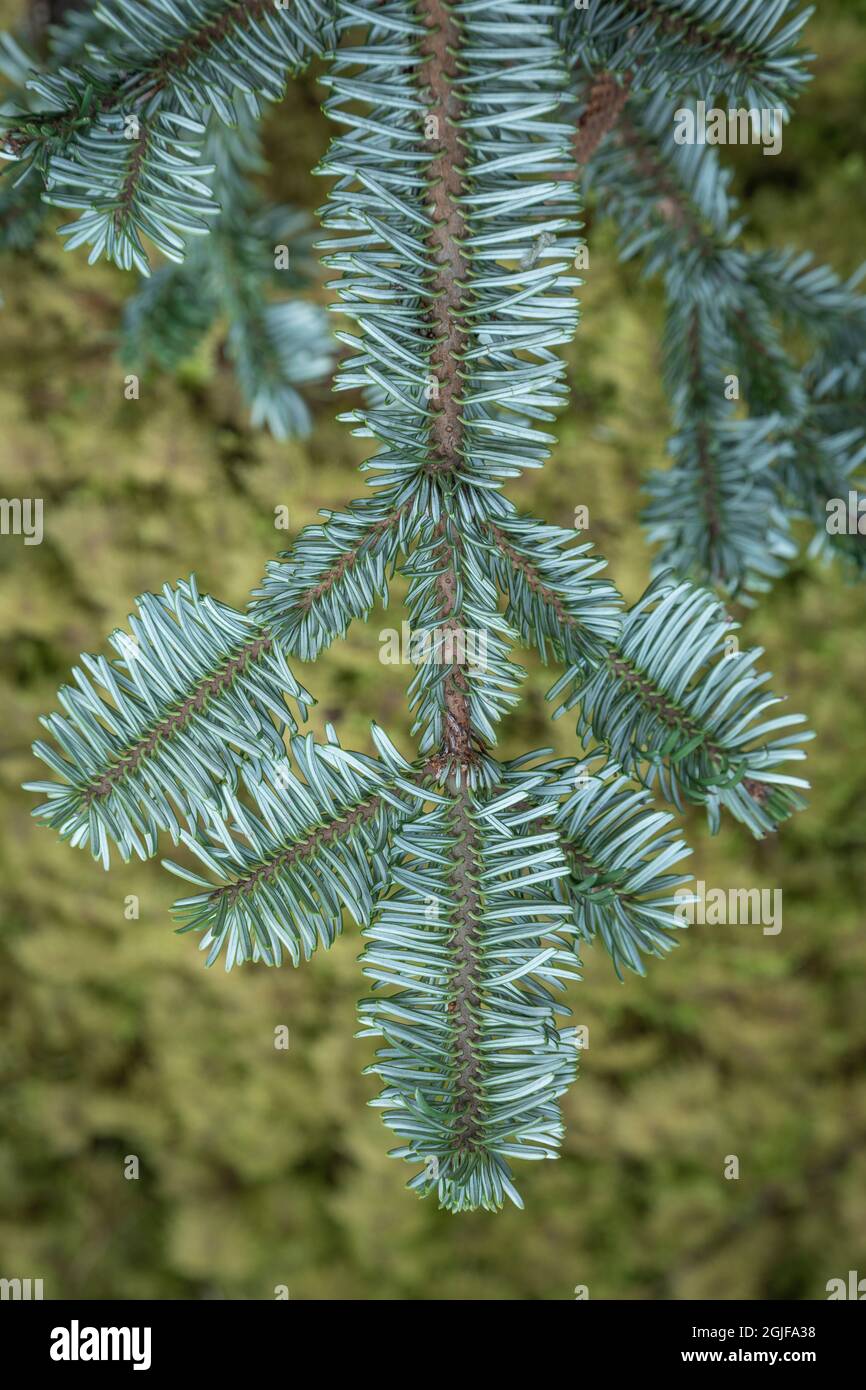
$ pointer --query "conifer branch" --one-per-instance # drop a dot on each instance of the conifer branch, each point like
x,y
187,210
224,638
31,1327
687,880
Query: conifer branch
x,y
473,946
451,226
195,688
722,512
130,759
334,574
673,703
277,345
313,846
116,137
554,599
748,50
620,850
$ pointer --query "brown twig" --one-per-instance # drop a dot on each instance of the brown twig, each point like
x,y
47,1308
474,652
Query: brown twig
x,y
460,745
604,105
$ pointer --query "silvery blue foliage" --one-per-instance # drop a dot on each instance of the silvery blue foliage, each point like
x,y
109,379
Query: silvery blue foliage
x,y
452,227
149,132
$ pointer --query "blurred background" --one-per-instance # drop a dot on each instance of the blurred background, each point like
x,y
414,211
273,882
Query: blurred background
x,y
260,1167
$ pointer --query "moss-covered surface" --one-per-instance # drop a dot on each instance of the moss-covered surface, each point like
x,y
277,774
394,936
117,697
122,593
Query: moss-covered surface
x,y
260,1167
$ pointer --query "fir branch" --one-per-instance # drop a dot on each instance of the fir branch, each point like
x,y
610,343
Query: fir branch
x,y
461,747
333,575
167,317
313,845
430,313
716,511
675,704
745,49
182,53
133,182
553,598
473,947
452,225
516,209
195,688
164,77
215,684
672,202
277,346
812,296
465,946
722,511
619,849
